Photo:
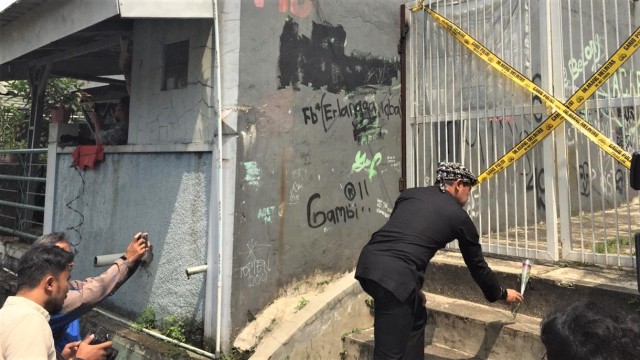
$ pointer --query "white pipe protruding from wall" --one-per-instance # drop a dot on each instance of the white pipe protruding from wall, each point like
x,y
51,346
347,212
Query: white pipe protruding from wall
x,y
109,259
196,270
155,334
105,260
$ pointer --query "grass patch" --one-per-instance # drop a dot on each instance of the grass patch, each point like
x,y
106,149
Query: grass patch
x,y
146,319
353,331
173,327
611,245
302,303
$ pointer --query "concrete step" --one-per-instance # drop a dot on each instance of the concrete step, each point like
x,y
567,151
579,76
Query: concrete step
x,y
438,352
459,329
316,332
360,346
551,285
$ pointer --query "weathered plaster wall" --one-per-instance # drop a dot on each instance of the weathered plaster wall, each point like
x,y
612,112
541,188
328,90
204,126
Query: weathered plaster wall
x,y
178,116
164,194
319,148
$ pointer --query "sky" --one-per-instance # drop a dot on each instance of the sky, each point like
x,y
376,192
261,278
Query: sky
x,y
5,3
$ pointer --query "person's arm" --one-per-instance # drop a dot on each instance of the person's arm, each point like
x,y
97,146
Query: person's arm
x,y
97,121
469,243
89,292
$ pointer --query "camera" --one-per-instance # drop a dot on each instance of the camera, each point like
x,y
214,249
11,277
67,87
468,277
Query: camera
x,y
101,335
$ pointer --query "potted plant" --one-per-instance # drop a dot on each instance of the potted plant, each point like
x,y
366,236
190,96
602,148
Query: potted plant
x,y
61,99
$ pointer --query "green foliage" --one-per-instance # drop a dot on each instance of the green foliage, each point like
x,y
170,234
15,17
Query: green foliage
x,y
13,123
146,319
301,304
353,331
611,245
174,328
62,93
14,114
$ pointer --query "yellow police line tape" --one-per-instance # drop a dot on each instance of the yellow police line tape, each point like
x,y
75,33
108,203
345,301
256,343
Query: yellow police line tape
x,y
562,110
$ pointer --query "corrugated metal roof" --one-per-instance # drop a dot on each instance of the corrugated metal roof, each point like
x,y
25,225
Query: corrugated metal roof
x,y
17,9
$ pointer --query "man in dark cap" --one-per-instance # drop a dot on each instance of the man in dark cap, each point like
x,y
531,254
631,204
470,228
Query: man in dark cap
x,y
391,266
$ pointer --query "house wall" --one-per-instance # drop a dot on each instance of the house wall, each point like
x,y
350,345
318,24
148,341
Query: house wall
x,y
164,194
319,155
178,116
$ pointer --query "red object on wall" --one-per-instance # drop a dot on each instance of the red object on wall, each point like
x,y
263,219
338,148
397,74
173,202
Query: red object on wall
x,y
87,156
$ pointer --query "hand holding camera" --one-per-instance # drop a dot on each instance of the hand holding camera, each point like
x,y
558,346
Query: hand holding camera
x,y
97,346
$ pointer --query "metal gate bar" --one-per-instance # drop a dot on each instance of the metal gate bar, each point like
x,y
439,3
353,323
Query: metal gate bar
x,y
461,110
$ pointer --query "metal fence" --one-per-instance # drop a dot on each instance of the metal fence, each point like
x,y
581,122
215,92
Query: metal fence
x,y
22,192
566,198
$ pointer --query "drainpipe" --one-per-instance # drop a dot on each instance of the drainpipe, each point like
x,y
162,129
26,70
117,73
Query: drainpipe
x,y
216,205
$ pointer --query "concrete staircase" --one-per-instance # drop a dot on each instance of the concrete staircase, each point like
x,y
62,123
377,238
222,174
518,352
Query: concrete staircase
x,y
459,329
462,325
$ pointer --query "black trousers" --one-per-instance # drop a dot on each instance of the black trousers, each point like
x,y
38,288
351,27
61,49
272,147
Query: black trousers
x,y
398,325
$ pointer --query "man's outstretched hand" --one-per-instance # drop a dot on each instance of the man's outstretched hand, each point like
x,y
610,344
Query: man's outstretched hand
x,y
138,247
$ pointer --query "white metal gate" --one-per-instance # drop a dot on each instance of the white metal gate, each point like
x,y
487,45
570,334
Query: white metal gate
x,y
566,198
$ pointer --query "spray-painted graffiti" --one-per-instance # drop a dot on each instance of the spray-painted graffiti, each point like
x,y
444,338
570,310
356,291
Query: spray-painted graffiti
x,y
365,116
536,99
256,270
585,176
252,176
509,119
301,8
589,178
535,181
265,214
624,83
320,61
383,208
619,181
591,54
361,162
296,177
342,213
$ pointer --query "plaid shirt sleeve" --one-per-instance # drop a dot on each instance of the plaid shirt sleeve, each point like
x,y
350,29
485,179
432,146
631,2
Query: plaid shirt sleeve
x,y
116,135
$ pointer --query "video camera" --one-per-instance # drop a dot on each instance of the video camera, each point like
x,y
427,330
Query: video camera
x,y
101,335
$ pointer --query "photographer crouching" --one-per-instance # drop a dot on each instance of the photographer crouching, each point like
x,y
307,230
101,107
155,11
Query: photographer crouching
x,y
84,295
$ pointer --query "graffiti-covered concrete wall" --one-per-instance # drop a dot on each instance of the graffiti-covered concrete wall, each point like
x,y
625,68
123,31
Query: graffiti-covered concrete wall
x,y
164,194
319,148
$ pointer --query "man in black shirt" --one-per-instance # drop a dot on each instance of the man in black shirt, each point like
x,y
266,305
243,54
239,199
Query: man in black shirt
x,y
391,266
